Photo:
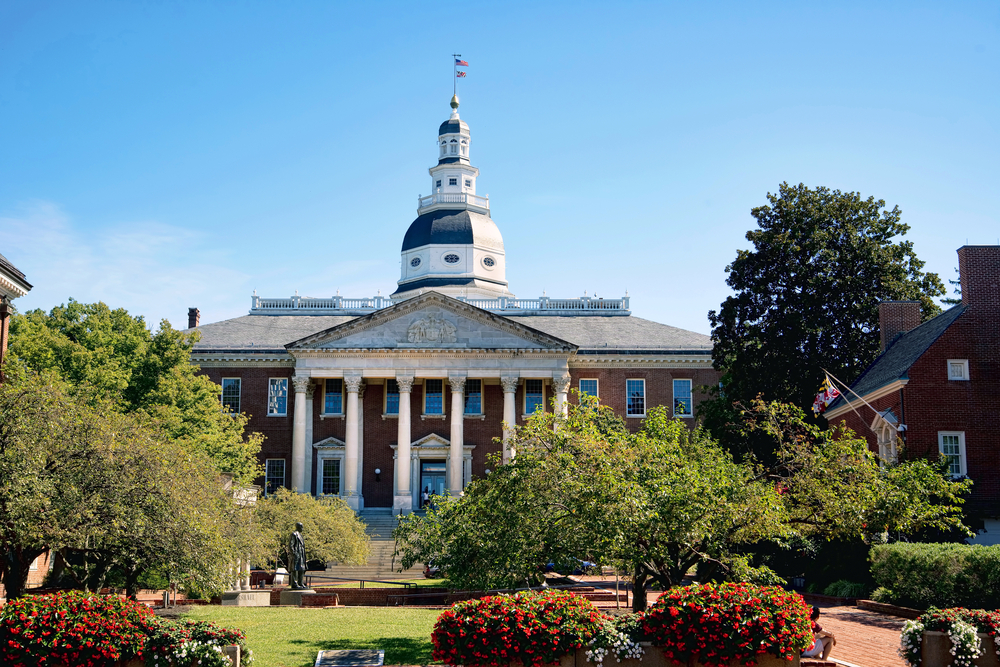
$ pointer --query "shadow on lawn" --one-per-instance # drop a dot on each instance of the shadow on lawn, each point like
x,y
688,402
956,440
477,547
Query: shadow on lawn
x,y
398,650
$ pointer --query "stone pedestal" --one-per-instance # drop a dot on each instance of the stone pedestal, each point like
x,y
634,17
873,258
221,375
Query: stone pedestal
x,y
251,598
402,504
293,598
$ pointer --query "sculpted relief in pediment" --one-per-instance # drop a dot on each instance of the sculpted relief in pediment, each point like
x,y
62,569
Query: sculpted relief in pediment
x,y
431,329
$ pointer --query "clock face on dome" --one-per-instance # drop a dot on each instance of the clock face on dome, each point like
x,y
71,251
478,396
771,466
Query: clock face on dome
x,y
451,258
415,262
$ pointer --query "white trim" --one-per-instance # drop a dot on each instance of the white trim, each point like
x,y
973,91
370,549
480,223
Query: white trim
x,y
964,367
962,462
239,396
284,473
673,397
884,426
597,383
276,414
635,416
870,396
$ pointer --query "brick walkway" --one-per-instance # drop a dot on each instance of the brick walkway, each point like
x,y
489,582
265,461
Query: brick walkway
x,y
864,638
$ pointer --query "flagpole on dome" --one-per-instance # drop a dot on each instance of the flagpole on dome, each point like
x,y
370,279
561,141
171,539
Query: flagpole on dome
x,y
456,57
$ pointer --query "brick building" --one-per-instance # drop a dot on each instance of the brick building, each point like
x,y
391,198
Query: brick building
x,y
936,385
12,285
378,399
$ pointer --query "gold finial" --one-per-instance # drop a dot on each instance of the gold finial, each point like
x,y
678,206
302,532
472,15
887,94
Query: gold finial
x,y
454,102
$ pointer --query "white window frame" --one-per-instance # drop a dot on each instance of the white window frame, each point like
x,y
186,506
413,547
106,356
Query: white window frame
x,y
673,389
270,383
628,406
962,464
965,370
239,395
385,399
452,178
343,399
284,474
321,463
597,386
465,394
444,405
524,397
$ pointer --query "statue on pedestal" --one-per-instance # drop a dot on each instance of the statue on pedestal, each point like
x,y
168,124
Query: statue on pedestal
x,y
297,559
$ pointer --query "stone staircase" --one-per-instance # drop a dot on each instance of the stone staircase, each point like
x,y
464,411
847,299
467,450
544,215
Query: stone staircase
x,y
379,524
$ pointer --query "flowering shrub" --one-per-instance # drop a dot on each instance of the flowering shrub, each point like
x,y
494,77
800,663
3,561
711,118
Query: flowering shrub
x,y
962,627
535,628
716,624
72,629
618,637
193,642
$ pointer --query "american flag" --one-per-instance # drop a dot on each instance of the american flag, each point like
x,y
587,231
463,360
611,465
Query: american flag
x,y
460,63
460,74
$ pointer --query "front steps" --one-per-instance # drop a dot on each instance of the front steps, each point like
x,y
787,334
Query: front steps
x,y
379,524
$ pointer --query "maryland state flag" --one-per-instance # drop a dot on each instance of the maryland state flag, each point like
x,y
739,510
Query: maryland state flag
x,y
827,394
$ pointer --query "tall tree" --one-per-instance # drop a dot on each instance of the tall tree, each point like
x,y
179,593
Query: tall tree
x,y
806,297
119,359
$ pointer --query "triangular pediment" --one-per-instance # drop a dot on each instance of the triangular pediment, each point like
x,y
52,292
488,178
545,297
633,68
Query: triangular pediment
x,y
431,321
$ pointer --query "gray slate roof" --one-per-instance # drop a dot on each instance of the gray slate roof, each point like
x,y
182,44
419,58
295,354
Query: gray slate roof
x,y
593,334
895,362
12,270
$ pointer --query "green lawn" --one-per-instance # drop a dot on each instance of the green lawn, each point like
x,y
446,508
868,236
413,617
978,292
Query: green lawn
x,y
291,637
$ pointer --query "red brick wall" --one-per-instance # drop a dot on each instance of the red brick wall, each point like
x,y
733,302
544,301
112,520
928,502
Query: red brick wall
x,y
380,434
896,317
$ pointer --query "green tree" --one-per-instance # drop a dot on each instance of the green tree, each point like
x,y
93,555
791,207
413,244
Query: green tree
x,y
667,501
119,359
331,530
806,297
106,490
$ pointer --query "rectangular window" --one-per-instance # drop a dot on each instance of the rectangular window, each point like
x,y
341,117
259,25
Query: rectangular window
x,y
453,149
331,477
468,183
682,399
231,394
452,181
333,397
277,397
473,397
433,397
534,398
635,392
952,447
391,397
274,475
588,387
958,369
439,180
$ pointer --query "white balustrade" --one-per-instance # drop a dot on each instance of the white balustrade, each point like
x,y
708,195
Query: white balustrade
x,y
339,305
466,198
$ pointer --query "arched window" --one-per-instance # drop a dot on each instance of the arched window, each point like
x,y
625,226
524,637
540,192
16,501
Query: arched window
x,y
887,443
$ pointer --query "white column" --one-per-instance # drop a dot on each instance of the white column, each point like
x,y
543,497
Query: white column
x,y
456,464
310,394
509,415
352,384
561,385
361,445
245,575
299,435
403,501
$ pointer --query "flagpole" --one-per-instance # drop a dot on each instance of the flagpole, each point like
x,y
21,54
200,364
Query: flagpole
x,y
454,73
841,383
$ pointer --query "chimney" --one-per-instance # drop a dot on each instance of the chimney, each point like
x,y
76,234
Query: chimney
x,y
194,317
979,273
897,317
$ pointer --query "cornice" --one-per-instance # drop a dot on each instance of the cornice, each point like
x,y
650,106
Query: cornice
x,y
383,353
242,360
884,390
12,288
639,361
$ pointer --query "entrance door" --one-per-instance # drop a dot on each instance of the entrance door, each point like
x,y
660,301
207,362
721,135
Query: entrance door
x,y
432,477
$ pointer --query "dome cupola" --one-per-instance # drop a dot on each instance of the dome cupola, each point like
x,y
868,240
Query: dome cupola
x,y
453,246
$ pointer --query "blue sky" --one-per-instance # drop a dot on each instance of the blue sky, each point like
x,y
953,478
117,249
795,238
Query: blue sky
x,y
160,155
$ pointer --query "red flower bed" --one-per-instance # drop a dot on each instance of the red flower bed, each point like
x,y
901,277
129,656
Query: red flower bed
x,y
940,620
716,624
72,629
533,628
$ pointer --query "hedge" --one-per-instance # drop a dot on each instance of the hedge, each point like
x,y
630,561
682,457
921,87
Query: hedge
x,y
938,575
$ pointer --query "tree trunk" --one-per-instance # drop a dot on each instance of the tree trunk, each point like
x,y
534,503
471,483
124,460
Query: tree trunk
x,y
17,565
639,580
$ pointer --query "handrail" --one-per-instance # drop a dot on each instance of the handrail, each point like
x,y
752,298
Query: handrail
x,y
404,584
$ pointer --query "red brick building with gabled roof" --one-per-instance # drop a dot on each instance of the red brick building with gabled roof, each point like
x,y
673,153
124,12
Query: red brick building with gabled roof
x,y
936,385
